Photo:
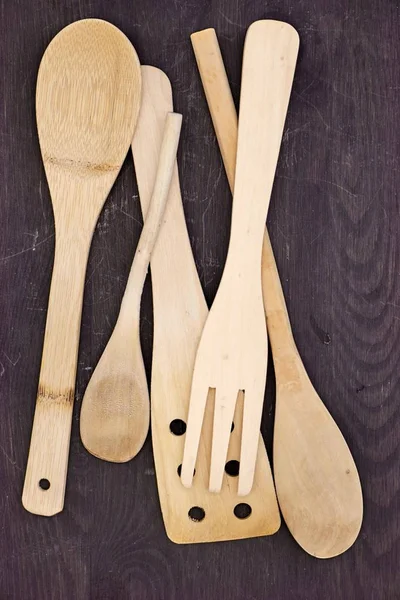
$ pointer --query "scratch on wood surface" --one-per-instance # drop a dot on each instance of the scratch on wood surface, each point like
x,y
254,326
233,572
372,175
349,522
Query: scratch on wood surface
x,y
229,21
318,236
291,132
94,270
294,93
9,459
130,217
35,236
316,181
300,94
31,248
13,363
281,232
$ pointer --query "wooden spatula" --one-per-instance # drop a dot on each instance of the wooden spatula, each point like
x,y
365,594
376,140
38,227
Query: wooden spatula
x,y
233,349
115,408
87,102
316,478
195,514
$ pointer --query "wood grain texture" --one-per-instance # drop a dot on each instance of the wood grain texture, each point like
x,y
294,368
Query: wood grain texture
x,y
233,349
316,480
180,311
334,225
115,414
87,104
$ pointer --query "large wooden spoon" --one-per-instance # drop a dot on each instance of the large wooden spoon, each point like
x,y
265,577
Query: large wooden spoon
x,y
316,480
116,407
87,102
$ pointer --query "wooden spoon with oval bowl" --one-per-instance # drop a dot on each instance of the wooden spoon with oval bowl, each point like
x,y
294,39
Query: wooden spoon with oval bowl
x,y
115,410
87,103
316,480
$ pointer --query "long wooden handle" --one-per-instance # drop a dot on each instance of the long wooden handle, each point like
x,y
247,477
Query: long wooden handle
x,y
46,471
224,117
269,60
152,220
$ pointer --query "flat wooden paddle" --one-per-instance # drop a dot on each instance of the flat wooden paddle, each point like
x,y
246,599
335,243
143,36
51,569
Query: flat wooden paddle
x,y
87,102
115,410
316,479
180,310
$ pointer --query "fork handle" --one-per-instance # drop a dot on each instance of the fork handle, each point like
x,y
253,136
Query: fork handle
x,y
269,61
224,117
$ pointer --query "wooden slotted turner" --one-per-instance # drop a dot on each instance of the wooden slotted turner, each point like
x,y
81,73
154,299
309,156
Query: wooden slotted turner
x,y
316,479
232,353
87,103
190,515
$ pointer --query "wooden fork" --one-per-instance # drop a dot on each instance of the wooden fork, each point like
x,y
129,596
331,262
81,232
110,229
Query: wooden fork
x,y
233,350
316,479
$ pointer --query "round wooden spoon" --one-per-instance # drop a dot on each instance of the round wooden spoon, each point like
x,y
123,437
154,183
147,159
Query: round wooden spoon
x,y
116,408
87,102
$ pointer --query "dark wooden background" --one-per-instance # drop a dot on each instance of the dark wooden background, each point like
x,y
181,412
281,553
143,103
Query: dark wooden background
x,y
335,226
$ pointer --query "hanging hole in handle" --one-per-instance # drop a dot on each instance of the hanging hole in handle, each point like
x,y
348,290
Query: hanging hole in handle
x,y
44,484
232,426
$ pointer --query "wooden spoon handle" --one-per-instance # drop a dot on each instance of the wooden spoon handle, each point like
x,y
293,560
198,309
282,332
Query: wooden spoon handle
x,y
46,471
224,117
152,220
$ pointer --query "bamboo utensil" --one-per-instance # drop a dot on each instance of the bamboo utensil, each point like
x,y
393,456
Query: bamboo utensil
x,y
190,515
316,479
87,102
232,353
115,410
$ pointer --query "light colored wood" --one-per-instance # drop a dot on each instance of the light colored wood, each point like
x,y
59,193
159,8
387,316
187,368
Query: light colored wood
x,y
219,97
115,410
180,312
233,349
87,102
316,479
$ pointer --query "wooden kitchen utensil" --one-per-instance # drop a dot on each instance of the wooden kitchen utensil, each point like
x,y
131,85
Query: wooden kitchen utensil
x,y
180,310
87,101
316,479
115,409
233,350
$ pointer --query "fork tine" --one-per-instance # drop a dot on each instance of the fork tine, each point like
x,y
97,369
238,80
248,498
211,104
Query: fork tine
x,y
197,405
252,412
224,409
